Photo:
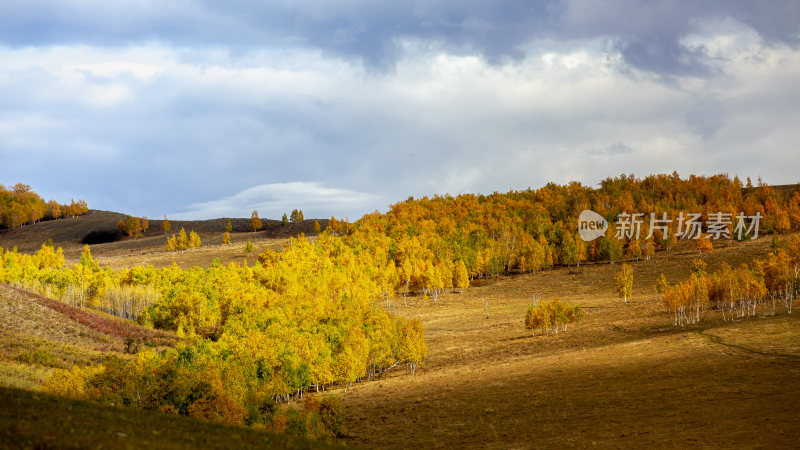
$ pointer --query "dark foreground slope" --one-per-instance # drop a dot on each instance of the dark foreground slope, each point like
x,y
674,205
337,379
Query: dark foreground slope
x,y
34,420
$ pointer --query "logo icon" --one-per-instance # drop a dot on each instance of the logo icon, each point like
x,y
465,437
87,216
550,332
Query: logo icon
x,y
591,225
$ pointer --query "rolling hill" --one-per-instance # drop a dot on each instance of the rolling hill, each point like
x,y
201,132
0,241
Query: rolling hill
x,y
99,229
39,335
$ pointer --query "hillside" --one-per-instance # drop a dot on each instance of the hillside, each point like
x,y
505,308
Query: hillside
x,y
99,229
39,335
622,377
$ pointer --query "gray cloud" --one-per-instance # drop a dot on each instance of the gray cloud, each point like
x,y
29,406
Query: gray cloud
x,y
611,150
705,116
146,108
649,35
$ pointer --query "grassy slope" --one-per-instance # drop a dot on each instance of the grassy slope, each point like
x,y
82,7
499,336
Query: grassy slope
x,y
621,378
39,335
34,420
67,233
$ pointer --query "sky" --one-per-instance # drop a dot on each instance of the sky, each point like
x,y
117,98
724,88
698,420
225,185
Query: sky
x,y
200,109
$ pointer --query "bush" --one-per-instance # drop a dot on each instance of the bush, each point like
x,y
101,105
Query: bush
x,y
40,357
132,345
330,412
551,314
296,423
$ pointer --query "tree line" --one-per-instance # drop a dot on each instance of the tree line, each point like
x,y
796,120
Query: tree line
x,y
736,292
430,241
20,205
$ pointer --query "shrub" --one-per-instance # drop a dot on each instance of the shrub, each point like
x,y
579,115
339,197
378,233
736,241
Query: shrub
x,y
40,357
552,314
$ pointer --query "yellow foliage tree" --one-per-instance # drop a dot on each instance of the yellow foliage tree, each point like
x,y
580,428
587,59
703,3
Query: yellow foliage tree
x,y
255,222
194,241
704,244
623,282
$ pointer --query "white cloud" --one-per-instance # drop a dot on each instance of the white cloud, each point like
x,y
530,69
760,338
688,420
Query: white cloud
x,y
274,199
138,121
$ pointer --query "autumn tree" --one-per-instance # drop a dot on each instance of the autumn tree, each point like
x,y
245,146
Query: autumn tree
x,y
633,249
461,277
296,216
582,251
661,286
569,251
172,243
648,249
284,220
703,244
182,242
132,226
229,226
255,222
226,238
194,241
623,282
55,209
317,228
550,315
333,224
413,348
165,225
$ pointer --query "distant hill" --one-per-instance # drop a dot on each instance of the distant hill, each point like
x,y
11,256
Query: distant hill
x,y
98,227
787,190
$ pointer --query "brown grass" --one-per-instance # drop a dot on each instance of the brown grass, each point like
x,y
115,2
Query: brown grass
x,y
212,248
624,377
36,420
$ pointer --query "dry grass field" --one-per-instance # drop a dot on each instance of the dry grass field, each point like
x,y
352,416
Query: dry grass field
x,y
623,377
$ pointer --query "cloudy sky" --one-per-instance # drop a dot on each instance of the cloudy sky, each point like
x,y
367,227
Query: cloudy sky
x,y
200,108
